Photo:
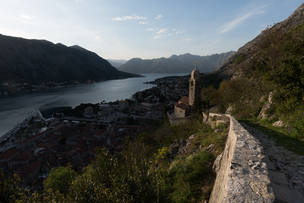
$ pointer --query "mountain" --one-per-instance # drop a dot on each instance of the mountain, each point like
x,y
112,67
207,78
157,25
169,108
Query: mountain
x,y
265,78
176,63
268,48
37,61
117,62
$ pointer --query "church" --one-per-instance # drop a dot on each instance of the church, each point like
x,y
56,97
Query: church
x,y
182,109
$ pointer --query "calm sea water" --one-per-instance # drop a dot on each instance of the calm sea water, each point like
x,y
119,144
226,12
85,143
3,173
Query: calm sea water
x,y
14,110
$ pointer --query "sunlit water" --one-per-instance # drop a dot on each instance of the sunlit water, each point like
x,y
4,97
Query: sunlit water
x,y
14,110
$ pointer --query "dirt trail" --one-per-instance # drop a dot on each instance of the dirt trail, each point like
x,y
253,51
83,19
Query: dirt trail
x,y
286,169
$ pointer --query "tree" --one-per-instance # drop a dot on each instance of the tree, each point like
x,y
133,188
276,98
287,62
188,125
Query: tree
x,y
60,179
10,189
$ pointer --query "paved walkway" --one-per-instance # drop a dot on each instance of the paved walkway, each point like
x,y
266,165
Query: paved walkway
x,y
286,169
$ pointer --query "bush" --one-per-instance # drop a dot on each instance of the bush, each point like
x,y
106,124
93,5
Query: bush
x,y
10,189
189,176
60,179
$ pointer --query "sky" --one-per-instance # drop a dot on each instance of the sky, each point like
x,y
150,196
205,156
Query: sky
x,y
124,29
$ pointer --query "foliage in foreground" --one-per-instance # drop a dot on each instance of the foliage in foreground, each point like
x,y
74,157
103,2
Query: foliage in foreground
x,y
145,171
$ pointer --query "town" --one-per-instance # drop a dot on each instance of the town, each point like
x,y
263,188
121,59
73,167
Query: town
x,y
13,88
72,137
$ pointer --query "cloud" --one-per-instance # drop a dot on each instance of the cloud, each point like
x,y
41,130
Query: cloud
x,y
143,22
26,17
132,17
158,17
159,33
241,19
162,31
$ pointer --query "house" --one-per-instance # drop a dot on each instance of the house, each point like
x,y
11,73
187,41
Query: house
x,y
182,108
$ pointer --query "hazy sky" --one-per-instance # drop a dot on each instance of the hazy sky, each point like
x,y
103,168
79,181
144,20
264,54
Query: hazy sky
x,y
122,29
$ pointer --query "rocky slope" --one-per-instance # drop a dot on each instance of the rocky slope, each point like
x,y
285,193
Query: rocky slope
x,y
176,63
37,61
267,48
272,62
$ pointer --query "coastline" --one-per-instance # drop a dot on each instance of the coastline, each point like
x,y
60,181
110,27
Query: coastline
x,y
58,86
72,137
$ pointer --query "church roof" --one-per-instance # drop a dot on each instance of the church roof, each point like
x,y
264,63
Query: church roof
x,y
183,103
184,100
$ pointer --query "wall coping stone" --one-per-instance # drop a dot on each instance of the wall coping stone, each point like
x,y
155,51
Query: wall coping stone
x,y
242,173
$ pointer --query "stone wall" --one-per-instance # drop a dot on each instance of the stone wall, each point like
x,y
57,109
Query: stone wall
x,y
242,174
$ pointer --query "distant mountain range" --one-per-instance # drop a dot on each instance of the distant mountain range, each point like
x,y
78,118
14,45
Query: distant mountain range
x,y
37,61
176,63
117,62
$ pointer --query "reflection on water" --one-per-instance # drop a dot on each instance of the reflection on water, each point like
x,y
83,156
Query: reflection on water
x,y
14,110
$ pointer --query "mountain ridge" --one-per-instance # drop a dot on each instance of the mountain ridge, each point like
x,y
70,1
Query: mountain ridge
x,y
264,80
176,63
36,61
233,65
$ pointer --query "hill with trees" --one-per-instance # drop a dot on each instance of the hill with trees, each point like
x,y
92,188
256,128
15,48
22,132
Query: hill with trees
x,y
37,61
264,80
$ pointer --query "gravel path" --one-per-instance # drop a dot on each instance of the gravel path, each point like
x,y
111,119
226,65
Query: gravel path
x,y
286,169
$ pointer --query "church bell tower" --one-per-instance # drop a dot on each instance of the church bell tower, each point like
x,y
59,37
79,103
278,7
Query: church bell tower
x,y
194,87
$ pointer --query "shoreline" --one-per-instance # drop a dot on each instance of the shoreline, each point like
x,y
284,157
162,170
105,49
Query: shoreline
x,y
32,148
6,134
60,87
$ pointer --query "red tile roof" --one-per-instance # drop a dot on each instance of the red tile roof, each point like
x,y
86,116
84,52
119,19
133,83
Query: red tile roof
x,y
184,100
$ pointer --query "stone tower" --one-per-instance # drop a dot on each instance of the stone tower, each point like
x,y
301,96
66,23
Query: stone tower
x,y
194,87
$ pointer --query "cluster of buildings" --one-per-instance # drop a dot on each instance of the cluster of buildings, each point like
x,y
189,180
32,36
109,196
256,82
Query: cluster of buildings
x,y
43,145
12,88
38,144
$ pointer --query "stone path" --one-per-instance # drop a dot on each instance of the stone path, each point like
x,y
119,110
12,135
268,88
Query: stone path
x,y
286,169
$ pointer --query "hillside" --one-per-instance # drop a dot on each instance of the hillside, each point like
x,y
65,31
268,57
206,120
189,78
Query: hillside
x,y
269,48
37,61
176,63
264,79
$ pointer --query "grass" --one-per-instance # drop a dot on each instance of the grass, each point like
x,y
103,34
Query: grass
x,y
190,177
163,135
279,135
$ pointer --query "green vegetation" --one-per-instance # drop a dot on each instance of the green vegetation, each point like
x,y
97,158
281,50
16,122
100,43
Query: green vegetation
x,y
60,179
189,175
9,188
164,134
239,58
242,94
273,64
280,135
150,169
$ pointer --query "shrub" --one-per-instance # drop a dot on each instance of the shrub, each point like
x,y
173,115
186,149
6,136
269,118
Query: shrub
x,y
60,179
189,176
